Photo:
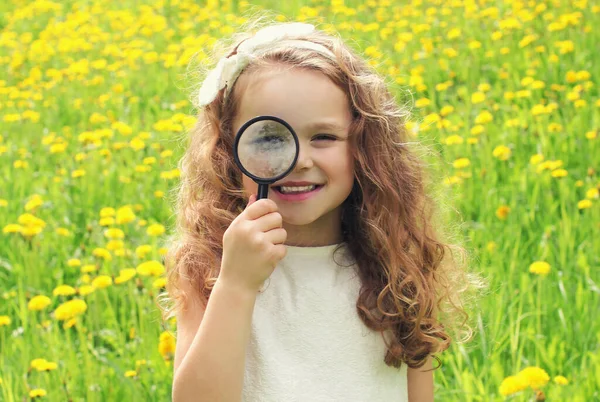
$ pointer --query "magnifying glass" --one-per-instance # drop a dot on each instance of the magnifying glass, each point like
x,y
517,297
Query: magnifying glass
x,y
266,149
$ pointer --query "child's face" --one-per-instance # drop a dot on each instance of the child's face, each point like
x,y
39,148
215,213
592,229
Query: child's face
x,y
304,99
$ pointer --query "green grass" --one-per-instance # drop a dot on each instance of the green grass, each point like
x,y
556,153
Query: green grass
x,y
525,320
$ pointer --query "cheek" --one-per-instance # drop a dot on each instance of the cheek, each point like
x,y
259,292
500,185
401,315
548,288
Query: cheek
x,y
250,187
341,166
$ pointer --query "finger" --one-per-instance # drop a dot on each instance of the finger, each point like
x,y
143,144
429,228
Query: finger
x,y
276,236
270,221
259,208
279,251
251,200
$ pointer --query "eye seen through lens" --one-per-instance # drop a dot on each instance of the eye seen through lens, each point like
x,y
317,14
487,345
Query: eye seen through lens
x,y
267,149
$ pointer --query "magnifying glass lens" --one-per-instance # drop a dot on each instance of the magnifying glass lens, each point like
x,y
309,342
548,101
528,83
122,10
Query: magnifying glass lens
x,y
267,149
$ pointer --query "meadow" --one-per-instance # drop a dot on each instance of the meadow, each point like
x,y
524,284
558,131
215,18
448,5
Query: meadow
x,y
94,108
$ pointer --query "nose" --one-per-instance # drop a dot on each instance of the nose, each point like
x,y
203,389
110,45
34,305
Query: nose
x,y
304,159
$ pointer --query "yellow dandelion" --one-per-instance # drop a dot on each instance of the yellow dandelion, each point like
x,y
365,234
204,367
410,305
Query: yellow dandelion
x,y
559,173
584,204
423,102
34,202
12,228
37,392
153,268
4,320
539,268
102,253
484,117
88,268
85,290
477,97
107,212
559,379
166,345
70,323
446,110
63,290
155,229
102,281
114,233
63,232
592,193
501,152
70,309
115,245
536,159
125,275
536,377
125,215
461,163
512,384
159,283
502,212
109,220
39,302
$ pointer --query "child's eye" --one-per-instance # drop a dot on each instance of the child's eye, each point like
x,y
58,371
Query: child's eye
x,y
325,137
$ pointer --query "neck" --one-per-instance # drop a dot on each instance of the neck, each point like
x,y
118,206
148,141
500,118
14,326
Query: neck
x,y
325,231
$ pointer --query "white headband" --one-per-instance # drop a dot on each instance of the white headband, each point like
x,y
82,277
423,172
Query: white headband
x,y
229,68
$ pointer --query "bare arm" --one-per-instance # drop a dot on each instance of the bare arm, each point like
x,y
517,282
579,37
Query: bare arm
x,y
420,384
211,346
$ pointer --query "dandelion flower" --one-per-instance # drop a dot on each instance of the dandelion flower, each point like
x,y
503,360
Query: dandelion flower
x,y
142,250
102,281
86,290
125,275
502,212
539,268
502,152
536,377
513,384
155,229
63,290
114,233
166,345
39,302
461,163
38,392
159,283
153,268
559,379
4,320
70,309
125,215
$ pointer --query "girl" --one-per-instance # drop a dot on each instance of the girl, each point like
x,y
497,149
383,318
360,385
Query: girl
x,y
332,288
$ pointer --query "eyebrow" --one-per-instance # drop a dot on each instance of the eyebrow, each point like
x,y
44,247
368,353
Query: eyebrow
x,y
323,125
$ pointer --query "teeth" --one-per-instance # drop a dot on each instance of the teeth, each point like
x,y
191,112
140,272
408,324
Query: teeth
x,y
303,189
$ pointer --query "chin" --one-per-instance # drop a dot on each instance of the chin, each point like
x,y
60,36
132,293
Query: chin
x,y
297,220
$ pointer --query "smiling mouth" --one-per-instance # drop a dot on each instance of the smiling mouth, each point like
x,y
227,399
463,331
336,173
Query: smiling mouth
x,y
297,189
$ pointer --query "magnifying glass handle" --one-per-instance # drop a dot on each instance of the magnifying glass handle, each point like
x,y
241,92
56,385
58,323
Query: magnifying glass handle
x,y
263,191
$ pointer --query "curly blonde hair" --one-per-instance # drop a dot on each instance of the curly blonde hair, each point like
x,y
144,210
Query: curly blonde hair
x,y
412,292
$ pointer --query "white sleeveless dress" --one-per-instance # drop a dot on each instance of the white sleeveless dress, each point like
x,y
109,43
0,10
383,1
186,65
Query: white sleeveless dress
x,y
307,343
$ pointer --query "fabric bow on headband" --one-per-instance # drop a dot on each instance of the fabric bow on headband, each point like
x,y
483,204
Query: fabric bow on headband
x,y
229,68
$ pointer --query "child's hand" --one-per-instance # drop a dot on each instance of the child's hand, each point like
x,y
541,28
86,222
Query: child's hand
x,y
253,245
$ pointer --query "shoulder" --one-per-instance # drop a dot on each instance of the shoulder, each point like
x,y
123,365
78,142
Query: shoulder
x,y
420,383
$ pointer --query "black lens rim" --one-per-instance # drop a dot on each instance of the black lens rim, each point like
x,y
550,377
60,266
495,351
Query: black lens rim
x,y
237,140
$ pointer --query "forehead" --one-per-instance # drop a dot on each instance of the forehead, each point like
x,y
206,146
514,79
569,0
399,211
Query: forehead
x,y
306,99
